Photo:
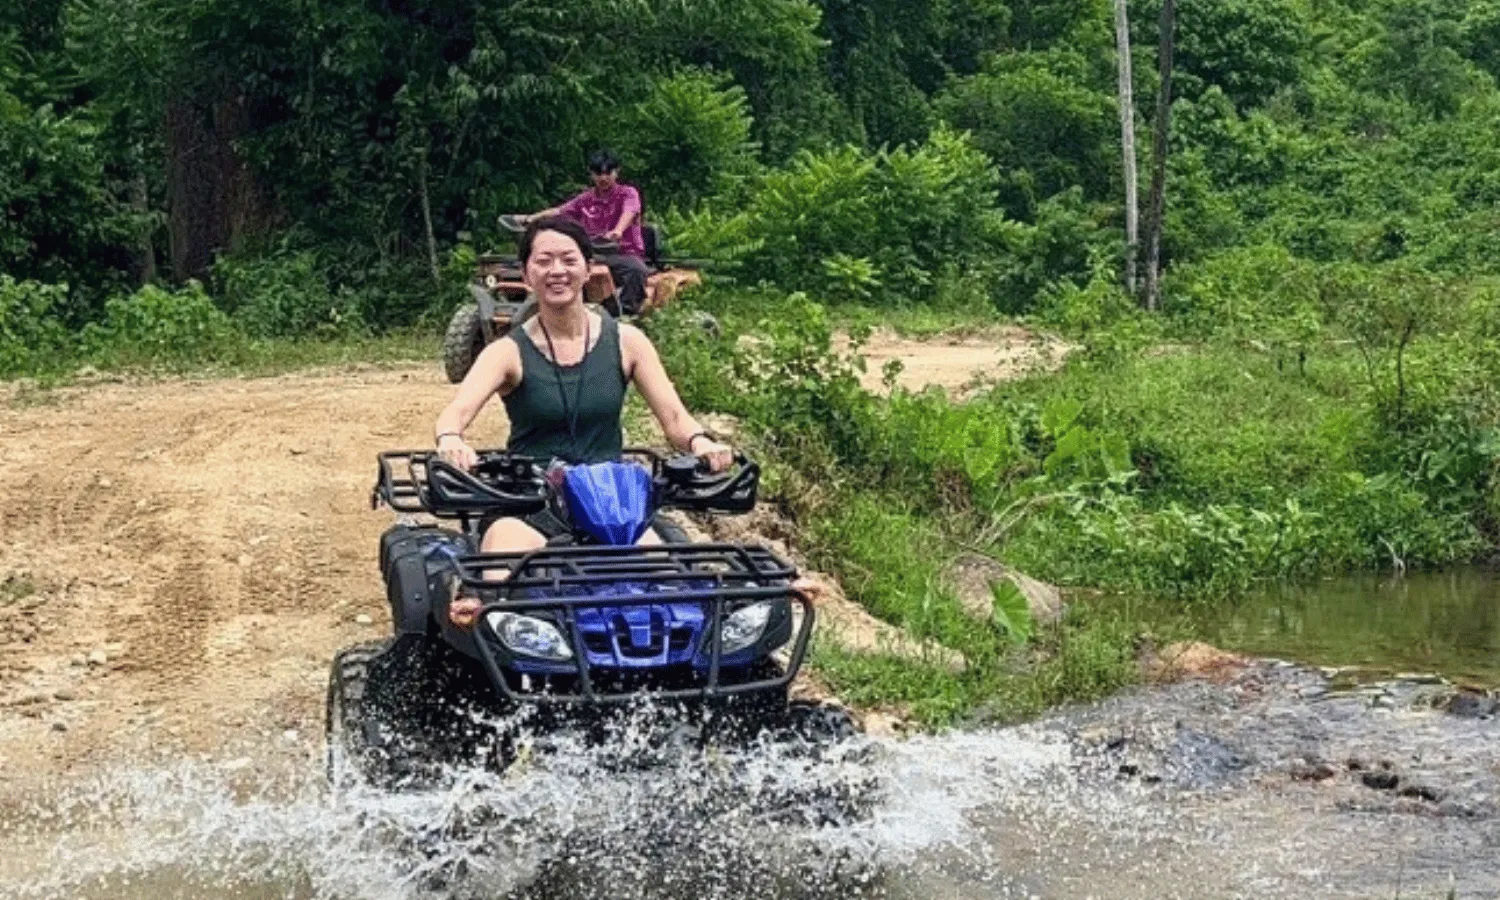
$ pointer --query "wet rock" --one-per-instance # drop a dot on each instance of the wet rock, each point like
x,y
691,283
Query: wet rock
x,y
1100,736
1311,771
1380,781
1472,705
1193,659
1457,810
973,578
1421,792
1198,759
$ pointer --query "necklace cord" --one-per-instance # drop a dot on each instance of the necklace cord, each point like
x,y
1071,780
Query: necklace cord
x,y
570,416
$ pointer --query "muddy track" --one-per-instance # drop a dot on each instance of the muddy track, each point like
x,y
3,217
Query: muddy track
x,y
196,552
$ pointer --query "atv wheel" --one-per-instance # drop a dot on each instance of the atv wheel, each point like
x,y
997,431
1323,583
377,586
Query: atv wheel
x,y
353,748
462,343
397,714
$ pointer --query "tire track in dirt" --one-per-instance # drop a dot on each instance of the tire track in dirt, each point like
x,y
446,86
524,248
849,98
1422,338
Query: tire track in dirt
x,y
198,551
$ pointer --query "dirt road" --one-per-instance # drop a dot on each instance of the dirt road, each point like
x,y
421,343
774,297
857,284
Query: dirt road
x,y
182,558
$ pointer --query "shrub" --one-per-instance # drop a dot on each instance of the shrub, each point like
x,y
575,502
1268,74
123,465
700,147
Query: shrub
x,y
157,327
31,335
689,139
286,295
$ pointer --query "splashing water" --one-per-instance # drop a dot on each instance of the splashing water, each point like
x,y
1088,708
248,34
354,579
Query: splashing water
x,y
1187,791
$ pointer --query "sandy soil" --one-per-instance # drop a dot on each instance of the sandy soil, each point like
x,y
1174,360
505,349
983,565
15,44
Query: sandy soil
x,y
960,365
181,559
199,550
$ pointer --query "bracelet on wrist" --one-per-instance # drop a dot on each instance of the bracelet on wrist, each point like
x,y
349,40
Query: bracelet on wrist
x,y
457,434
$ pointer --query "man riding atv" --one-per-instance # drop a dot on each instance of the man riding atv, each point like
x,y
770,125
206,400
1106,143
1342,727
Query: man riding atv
x,y
610,213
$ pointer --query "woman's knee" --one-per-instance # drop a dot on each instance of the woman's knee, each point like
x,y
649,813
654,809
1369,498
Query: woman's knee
x,y
508,535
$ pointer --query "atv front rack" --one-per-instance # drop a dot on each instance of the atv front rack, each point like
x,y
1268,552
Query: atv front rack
x,y
715,575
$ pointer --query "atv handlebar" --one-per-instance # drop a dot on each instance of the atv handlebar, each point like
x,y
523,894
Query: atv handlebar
x,y
418,481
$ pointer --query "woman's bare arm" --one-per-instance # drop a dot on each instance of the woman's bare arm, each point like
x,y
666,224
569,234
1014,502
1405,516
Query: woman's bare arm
x,y
497,370
650,378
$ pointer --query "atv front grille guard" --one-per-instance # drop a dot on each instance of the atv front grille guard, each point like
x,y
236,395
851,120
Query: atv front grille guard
x,y
736,573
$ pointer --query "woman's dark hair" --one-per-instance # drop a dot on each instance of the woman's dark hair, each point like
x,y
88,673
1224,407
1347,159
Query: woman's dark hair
x,y
564,227
601,161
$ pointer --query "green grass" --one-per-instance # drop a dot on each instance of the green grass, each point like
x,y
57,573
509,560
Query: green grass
x,y
1089,655
16,587
920,321
248,358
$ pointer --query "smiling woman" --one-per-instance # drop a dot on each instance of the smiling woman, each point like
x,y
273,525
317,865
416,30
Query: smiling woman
x,y
563,378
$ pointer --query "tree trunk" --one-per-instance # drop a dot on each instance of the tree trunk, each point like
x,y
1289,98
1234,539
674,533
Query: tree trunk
x,y
1127,143
1158,202
144,269
214,201
432,252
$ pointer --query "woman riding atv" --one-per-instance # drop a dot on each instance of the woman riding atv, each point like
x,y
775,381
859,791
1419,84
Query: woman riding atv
x,y
563,377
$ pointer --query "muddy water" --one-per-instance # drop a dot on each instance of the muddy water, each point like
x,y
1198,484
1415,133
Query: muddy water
x,y
1446,622
1257,787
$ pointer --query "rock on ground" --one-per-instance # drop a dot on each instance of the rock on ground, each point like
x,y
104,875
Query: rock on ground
x,y
973,578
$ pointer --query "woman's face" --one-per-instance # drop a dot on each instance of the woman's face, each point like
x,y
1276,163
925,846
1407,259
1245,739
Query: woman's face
x,y
556,271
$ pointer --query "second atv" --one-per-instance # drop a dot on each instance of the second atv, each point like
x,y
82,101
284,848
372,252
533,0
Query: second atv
x,y
572,633
498,296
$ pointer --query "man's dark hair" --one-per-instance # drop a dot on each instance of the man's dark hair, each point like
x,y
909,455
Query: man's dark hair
x,y
565,227
601,161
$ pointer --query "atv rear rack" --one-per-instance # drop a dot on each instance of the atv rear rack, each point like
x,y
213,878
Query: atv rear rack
x,y
734,573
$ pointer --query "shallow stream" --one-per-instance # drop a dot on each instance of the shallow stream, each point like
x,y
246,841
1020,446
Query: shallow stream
x,y
1284,781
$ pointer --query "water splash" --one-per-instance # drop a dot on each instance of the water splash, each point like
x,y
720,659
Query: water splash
x,y
1183,791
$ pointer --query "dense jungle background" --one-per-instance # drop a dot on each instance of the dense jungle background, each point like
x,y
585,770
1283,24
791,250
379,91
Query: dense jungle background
x,y
243,185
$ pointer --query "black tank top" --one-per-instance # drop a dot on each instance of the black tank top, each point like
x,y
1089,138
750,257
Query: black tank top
x,y
595,393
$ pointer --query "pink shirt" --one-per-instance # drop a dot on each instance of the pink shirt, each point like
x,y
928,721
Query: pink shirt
x,y
600,213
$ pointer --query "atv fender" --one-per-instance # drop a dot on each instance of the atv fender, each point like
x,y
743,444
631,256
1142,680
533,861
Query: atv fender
x,y
486,302
415,561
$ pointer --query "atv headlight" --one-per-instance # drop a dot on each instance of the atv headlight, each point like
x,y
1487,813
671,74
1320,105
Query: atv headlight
x,y
529,636
744,626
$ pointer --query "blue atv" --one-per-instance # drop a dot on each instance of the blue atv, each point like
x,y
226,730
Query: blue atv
x,y
574,635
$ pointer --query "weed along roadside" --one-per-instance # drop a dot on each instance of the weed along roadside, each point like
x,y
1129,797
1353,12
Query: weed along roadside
x,y
1187,476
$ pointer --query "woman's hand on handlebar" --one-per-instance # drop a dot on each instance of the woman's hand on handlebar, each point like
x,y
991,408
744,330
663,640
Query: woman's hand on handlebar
x,y
454,451
717,456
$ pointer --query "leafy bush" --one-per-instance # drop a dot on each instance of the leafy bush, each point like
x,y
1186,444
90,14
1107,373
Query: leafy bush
x,y
286,295
31,335
901,226
689,139
1038,117
155,327
58,220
